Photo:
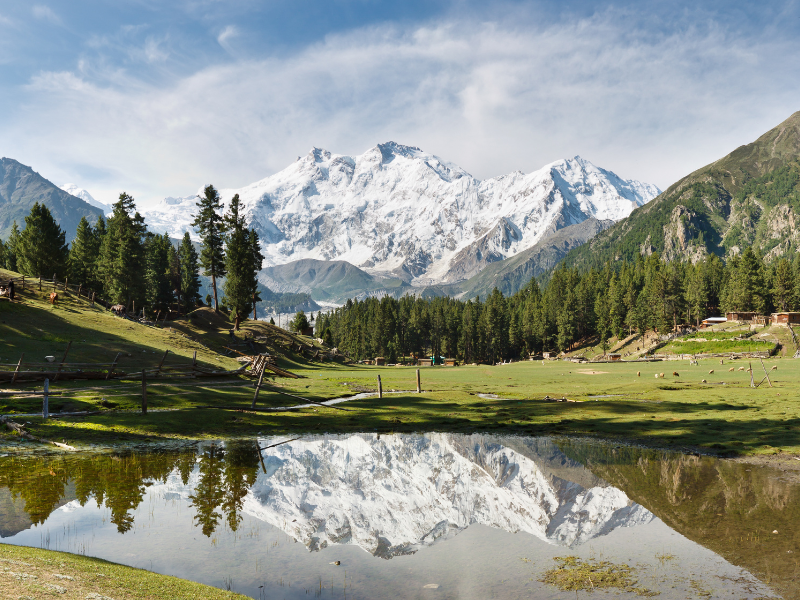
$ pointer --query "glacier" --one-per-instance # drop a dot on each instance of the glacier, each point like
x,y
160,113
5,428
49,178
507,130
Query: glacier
x,y
398,211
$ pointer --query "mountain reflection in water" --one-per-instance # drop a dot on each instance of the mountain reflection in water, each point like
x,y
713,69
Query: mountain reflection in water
x,y
395,495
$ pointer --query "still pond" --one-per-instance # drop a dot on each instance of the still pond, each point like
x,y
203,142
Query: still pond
x,y
440,516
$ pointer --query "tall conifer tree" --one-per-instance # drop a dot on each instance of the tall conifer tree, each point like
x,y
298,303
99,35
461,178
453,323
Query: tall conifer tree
x,y
11,248
83,256
211,226
123,258
159,288
190,274
242,263
42,249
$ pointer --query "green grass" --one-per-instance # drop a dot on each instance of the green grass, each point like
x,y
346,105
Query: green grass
x,y
714,347
723,415
33,573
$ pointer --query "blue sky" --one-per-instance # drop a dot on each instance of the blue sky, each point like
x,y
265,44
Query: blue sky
x,y
159,98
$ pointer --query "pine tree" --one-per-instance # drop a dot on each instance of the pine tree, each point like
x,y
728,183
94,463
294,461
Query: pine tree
x,y
159,287
300,322
2,253
12,245
783,286
42,249
190,274
83,256
123,257
211,227
242,262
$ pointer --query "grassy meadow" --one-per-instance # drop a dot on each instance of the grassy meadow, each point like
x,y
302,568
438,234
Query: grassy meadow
x,y
710,407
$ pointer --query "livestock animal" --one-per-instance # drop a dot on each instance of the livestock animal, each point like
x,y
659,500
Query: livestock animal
x,y
655,375
711,372
740,369
774,368
118,309
693,362
675,374
54,298
704,381
731,369
638,373
661,375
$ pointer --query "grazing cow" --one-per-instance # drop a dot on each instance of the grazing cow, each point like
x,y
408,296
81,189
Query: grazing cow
x,y
661,375
675,374
118,309
741,369
54,298
638,373
655,375
711,372
731,369
774,368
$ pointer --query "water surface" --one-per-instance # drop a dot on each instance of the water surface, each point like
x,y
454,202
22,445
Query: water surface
x,y
468,516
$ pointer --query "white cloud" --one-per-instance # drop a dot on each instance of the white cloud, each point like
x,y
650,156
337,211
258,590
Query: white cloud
x,y
153,52
226,35
489,96
45,13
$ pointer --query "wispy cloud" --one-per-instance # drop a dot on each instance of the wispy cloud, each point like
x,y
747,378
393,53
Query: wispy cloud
x,y
491,97
45,13
226,35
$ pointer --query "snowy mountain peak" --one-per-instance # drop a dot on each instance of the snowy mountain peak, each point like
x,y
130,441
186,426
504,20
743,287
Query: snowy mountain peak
x,y
398,210
81,193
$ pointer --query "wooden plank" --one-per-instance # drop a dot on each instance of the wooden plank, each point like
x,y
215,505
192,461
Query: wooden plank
x,y
419,389
16,371
765,372
380,387
114,364
63,360
258,389
161,364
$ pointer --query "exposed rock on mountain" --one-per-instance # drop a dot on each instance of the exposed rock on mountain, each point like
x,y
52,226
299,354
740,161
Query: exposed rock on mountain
x,y
514,273
751,197
21,187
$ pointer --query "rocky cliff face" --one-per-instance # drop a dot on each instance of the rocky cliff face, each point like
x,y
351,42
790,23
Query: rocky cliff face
x,y
398,211
394,494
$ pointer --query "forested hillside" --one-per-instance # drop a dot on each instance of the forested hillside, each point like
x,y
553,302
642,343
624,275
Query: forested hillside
x,y
575,306
748,198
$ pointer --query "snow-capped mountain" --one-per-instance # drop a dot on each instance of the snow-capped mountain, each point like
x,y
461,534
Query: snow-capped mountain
x,y
81,193
398,210
394,494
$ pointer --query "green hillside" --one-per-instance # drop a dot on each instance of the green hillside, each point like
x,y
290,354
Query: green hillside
x,y
21,187
751,197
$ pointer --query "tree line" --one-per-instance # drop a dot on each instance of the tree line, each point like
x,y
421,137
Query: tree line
x,y
569,308
126,264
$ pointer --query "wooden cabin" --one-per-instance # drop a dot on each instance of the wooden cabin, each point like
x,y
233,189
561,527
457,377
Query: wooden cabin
x,y
424,362
450,362
380,361
614,357
785,319
740,316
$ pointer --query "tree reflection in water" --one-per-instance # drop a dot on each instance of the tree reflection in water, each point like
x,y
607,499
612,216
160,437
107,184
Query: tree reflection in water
x,y
120,481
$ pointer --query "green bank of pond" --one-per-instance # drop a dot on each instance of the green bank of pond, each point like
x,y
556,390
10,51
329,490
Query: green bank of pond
x,y
439,515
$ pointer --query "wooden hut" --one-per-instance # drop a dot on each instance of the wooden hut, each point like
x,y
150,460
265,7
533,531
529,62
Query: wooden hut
x,y
784,319
740,316
614,357
380,361
450,362
424,362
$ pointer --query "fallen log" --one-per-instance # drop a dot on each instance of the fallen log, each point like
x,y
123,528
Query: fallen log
x,y
20,430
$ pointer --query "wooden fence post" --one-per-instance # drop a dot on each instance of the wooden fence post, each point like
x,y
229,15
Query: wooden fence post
x,y
16,371
114,364
66,284
80,285
419,389
380,387
46,400
92,299
258,388
161,364
765,372
752,383
40,283
194,361
144,392
63,360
